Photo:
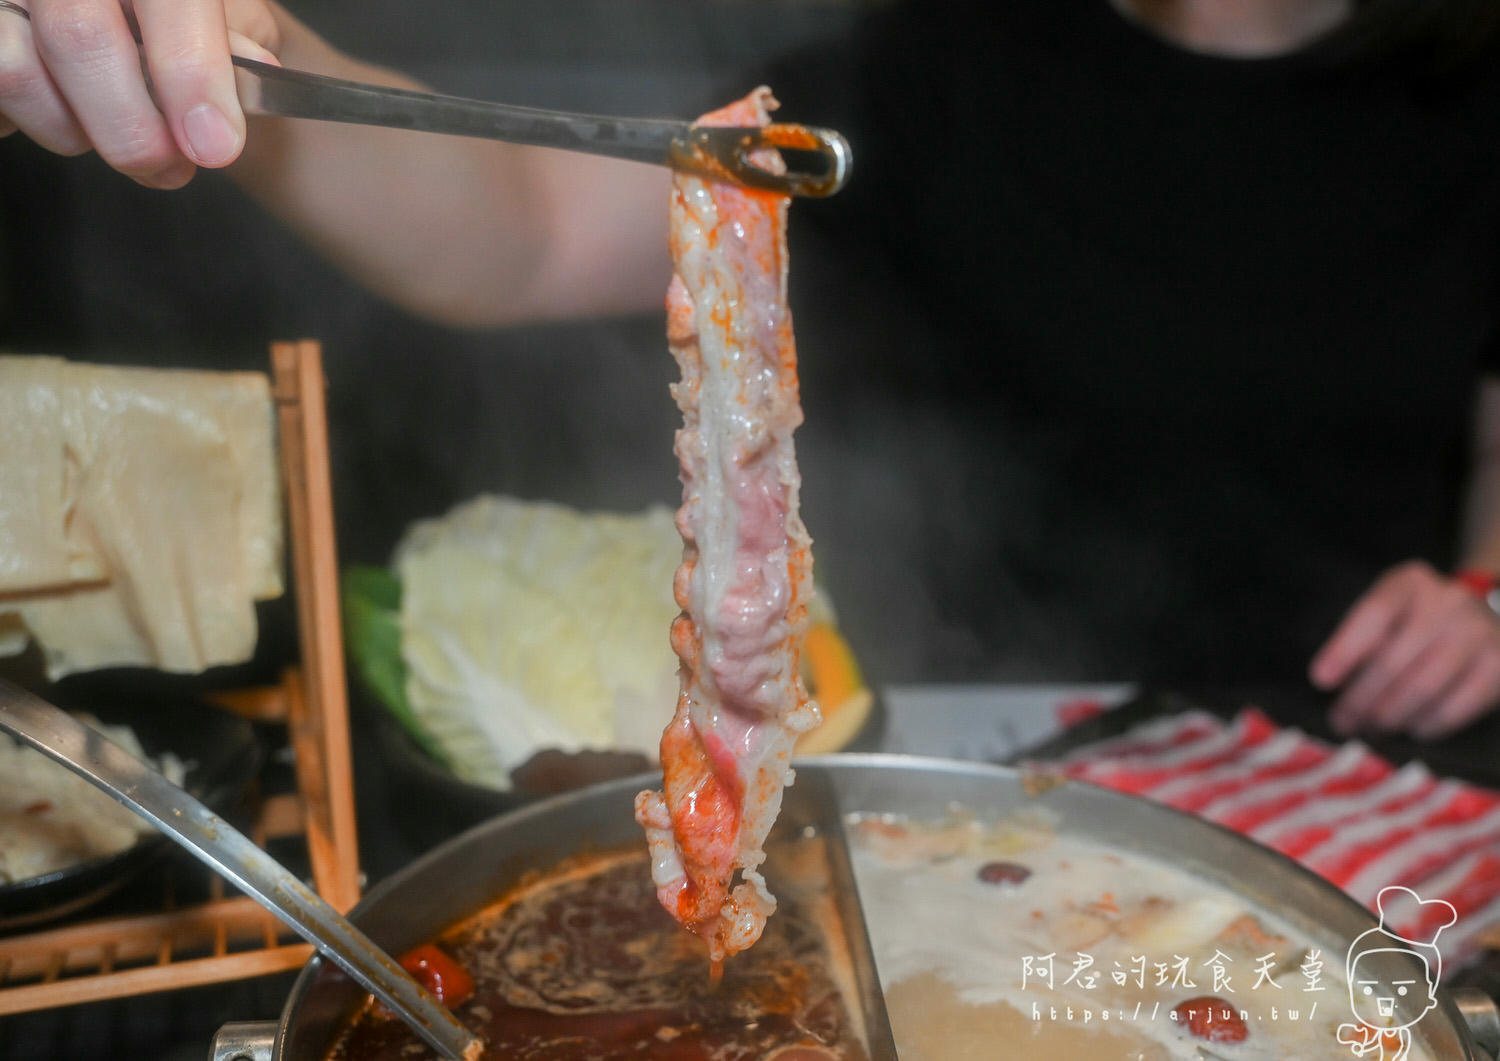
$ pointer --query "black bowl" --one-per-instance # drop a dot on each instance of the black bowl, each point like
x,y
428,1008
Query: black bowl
x,y
220,751
448,805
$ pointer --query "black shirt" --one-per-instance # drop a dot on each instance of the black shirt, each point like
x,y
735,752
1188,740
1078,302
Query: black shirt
x,y
1169,354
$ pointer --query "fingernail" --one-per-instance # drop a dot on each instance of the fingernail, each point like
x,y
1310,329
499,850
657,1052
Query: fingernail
x,y
211,139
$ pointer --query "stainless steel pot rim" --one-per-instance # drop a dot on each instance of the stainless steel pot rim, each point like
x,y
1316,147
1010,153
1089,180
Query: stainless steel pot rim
x,y
1272,880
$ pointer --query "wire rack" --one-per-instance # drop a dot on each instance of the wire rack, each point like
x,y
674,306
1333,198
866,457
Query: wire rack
x,y
223,936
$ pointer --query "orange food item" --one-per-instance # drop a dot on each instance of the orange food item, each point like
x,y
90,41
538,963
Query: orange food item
x,y
835,674
833,677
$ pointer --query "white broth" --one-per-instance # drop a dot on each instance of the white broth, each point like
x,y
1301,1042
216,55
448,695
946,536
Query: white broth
x,y
991,934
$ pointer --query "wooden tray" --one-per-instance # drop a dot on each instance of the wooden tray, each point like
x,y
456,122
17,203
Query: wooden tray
x,y
227,936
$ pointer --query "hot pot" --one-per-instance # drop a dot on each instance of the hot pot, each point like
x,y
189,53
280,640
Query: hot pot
x,y
464,874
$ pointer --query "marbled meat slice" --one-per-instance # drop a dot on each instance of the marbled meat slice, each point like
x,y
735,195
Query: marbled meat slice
x,y
745,577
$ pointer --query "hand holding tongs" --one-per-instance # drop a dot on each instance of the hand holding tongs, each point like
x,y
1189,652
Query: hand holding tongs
x,y
718,152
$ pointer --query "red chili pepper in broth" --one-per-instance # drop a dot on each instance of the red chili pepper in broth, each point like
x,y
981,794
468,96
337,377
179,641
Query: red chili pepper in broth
x,y
1212,1019
439,973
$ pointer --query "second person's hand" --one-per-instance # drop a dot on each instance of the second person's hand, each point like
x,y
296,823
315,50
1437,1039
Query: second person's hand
x,y
1417,653
71,79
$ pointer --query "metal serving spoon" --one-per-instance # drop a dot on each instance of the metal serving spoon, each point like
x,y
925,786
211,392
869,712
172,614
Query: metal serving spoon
x,y
143,789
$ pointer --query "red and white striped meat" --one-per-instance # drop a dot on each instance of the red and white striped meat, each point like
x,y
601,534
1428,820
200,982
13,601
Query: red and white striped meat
x,y
1343,812
745,576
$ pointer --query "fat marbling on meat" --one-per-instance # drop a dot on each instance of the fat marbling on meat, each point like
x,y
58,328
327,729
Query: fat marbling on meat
x,y
745,576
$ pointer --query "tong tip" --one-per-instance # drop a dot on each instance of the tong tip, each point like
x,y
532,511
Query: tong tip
x,y
723,153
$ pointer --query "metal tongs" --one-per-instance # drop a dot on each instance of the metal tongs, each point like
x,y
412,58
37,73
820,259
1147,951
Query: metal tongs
x,y
721,153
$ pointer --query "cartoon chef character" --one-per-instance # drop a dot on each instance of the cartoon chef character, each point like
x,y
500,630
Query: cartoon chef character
x,y
1388,990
